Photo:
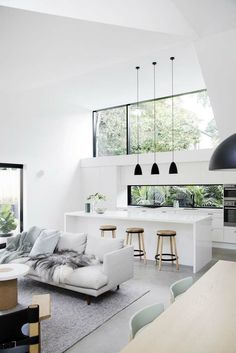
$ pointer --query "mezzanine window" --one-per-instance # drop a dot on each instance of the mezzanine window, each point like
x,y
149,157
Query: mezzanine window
x,y
115,129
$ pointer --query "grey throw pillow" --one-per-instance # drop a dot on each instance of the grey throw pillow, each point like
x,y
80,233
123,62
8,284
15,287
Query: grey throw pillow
x,y
45,243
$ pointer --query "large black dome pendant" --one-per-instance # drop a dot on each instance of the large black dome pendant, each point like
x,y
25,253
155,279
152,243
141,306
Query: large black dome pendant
x,y
224,156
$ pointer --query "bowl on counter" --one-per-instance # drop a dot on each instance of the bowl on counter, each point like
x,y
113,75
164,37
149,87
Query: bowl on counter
x,y
100,210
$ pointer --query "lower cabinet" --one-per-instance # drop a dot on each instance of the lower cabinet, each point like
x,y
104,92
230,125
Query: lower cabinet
x,y
230,234
218,234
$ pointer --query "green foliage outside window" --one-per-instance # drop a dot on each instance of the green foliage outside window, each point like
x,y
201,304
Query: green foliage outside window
x,y
194,126
187,195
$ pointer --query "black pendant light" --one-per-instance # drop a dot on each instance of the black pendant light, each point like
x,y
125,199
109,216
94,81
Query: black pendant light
x,y
155,169
138,169
224,156
173,168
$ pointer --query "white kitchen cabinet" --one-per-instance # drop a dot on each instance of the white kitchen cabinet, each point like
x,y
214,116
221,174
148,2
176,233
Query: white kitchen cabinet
x,y
218,234
230,234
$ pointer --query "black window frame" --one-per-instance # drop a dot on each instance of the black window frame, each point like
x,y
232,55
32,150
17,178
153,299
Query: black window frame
x,y
94,122
21,167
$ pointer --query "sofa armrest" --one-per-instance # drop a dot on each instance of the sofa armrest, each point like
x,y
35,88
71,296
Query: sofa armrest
x,y
118,265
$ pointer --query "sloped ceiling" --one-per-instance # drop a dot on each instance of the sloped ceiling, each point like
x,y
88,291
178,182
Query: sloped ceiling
x,y
83,52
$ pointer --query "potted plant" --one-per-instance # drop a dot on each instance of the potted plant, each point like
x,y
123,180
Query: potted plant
x,y
97,201
7,221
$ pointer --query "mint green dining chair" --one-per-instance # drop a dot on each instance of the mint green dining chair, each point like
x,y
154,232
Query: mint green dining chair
x,y
179,287
144,317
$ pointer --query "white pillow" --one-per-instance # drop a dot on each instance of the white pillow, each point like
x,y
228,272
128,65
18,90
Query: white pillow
x,y
100,246
72,241
45,243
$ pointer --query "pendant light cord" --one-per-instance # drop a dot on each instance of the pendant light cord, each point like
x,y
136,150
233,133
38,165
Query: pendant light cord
x,y
137,112
172,106
154,108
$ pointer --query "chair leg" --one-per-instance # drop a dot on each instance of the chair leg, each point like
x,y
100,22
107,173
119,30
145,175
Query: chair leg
x,y
176,254
158,244
161,249
143,248
118,287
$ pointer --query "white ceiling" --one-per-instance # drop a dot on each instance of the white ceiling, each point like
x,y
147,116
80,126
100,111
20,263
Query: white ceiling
x,y
152,15
83,52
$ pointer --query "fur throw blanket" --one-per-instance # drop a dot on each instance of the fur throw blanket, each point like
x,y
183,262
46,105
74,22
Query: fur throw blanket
x,y
55,267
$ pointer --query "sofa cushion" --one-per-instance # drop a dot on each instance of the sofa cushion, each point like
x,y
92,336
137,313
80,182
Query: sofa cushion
x,y
100,246
87,277
72,241
45,243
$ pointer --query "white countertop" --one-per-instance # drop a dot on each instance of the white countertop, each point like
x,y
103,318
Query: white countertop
x,y
185,216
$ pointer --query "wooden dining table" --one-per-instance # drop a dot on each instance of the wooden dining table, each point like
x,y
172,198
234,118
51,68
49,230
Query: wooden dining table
x,y
202,320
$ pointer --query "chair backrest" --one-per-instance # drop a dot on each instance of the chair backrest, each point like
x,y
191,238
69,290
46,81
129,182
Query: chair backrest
x,y
179,287
144,317
15,340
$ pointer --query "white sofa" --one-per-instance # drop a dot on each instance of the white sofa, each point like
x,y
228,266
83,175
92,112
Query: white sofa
x,y
115,268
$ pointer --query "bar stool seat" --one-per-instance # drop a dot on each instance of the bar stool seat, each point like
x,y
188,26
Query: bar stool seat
x,y
172,256
134,230
108,228
141,252
166,233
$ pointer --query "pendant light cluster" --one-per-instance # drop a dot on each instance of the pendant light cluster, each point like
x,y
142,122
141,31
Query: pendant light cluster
x,y
155,170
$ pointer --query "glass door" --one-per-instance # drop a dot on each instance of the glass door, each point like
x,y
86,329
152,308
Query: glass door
x,y
11,199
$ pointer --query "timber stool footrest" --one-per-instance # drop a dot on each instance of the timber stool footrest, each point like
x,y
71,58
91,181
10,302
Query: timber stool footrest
x,y
108,228
141,252
169,257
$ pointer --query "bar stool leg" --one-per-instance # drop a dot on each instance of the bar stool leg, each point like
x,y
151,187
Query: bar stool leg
x,y
176,254
139,245
171,249
113,233
158,244
130,239
143,248
160,257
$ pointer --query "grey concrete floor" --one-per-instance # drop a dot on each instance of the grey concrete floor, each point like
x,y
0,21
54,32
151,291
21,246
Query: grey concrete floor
x,y
113,335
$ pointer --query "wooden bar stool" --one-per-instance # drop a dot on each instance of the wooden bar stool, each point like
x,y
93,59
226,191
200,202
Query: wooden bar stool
x,y
129,237
172,256
108,228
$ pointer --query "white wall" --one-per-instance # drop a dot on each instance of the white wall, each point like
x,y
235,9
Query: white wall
x,y
217,55
49,138
111,175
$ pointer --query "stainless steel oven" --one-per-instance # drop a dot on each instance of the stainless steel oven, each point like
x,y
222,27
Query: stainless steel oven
x,y
230,205
230,213
230,192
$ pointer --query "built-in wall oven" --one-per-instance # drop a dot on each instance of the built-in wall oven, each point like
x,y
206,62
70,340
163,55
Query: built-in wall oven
x,y
230,205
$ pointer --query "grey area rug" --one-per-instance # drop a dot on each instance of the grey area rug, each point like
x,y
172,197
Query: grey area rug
x,y
72,319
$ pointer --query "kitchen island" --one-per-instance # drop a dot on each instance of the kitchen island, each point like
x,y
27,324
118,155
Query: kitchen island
x,y
194,243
